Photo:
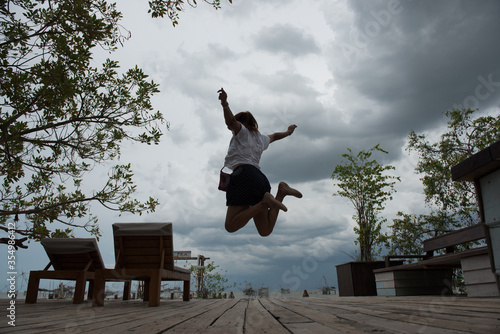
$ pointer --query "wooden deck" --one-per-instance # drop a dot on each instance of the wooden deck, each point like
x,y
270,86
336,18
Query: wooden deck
x,y
305,315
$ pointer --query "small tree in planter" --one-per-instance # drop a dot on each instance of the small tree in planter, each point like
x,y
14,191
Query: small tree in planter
x,y
213,283
367,185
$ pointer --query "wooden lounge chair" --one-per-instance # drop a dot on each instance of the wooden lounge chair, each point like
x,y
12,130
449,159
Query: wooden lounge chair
x,y
72,259
143,251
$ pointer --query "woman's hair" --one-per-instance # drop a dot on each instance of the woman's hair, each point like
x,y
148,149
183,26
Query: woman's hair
x,y
246,118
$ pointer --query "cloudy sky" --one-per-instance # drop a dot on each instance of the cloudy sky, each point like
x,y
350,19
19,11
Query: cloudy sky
x,y
347,73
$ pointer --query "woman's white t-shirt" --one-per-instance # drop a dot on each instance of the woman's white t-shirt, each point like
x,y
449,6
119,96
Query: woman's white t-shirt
x,y
246,147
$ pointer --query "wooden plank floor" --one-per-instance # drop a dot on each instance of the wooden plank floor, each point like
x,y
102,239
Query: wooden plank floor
x,y
305,315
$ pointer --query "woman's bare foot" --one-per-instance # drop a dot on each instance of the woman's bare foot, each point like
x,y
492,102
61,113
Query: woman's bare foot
x,y
287,190
273,202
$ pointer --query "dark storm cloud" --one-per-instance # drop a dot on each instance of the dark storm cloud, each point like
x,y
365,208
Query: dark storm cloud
x,y
409,64
397,68
284,82
382,69
420,58
287,39
392,66
293,256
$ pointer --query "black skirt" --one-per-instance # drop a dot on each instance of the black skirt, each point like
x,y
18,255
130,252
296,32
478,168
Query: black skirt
x,y
247,186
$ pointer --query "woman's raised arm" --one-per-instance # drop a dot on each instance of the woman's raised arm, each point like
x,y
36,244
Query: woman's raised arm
x,y
231,122
280,135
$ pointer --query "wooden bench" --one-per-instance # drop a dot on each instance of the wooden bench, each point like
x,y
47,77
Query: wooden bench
x,y
483,169
480,266
144,252
74,259
447,241
432,275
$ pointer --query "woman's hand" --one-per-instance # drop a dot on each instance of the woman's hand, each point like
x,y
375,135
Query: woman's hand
x,y
222,96
291,128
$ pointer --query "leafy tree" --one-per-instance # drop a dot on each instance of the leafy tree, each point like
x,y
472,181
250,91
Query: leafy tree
x,y
60,117
160,8
212,282
409,231
453,204
465,136
365,183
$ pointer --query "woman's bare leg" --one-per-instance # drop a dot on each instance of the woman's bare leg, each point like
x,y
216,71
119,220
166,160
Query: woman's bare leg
x,y
232,224
238,216
265,221
265,213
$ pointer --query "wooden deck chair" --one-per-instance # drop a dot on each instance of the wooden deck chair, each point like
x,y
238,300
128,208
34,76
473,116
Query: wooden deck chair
x,y
143,251
72,259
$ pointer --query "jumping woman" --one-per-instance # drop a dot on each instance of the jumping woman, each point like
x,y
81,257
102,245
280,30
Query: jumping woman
x,y
248,192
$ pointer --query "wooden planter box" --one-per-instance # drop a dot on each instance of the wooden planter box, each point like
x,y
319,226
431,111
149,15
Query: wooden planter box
x,y
357,278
